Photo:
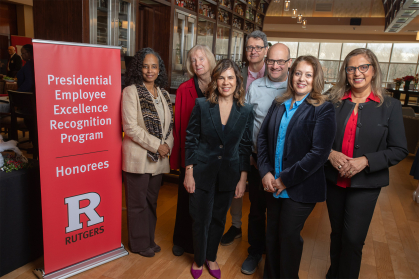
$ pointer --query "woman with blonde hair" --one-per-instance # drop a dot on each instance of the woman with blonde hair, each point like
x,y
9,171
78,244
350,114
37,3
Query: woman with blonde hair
x,y
293,144
370,138
218,147
199,64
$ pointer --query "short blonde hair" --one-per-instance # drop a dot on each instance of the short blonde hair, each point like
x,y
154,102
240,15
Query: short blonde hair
x,y
315,98
208,54
221,67
342,86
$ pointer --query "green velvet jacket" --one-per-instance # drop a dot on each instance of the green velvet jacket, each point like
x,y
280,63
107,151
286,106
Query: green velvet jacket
x,y
218,154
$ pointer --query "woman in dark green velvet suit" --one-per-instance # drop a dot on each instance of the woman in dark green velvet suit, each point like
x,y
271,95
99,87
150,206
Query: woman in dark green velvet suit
x,y
218,147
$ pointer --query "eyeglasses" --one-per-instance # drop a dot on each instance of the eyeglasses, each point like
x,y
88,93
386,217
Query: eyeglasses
x,y
279,62
361,68
257,48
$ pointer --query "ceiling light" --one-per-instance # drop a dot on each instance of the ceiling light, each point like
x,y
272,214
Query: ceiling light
x,y
294,13
417,36
277,1
287,5
299,18
304,23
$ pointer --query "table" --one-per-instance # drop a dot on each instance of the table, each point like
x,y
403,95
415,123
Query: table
x,y
408,93
20,219
9,86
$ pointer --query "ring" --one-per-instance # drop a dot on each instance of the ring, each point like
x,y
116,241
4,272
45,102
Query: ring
x,y
339,167
266,189
350,172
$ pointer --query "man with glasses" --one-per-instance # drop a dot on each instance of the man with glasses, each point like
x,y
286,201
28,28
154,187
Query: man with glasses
x,y
256,48
260,95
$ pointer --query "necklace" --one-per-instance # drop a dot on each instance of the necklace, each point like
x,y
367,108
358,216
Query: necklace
x,y
156,99
201,86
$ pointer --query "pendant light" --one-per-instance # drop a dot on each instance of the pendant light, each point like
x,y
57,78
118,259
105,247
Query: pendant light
x,y
294,13
299,18
287,5
304,25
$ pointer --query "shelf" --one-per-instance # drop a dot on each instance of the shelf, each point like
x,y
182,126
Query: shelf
x,y
210,2
223,24
236,14
206,18
102,9
185,10
238,30
225,8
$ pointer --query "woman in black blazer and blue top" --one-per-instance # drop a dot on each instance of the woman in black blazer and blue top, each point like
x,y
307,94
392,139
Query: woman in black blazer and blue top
x,y
370,138
293,144
218,147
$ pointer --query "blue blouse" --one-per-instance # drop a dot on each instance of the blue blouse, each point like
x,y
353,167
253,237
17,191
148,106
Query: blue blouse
x,y
286,118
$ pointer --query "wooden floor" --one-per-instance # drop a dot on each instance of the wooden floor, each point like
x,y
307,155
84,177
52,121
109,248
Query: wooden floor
x,y
391,249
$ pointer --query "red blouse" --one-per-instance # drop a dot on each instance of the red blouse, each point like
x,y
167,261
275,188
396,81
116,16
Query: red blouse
x,y
349,136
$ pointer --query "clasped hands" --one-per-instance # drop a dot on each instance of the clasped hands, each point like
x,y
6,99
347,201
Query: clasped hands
x,y
271,185
163,150
347,166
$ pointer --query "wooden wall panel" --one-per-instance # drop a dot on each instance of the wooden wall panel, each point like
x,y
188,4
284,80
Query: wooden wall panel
x,y
8,19
61,20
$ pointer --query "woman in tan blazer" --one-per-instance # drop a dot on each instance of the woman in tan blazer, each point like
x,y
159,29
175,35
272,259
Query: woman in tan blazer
x,y
147,118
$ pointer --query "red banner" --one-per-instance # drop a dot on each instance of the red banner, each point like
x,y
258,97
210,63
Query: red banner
x,y
78,93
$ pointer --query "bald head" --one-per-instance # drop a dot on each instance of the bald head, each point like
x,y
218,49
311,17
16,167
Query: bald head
x,y
278,61
11,50
283,49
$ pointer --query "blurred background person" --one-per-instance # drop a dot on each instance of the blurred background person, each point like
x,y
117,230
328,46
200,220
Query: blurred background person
x,y
256,49
218,147
26,75
15,62
260,95
370,138
293,144
147,119
199,64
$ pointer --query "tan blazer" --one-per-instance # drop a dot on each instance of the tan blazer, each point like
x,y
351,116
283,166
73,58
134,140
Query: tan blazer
x,y
137,140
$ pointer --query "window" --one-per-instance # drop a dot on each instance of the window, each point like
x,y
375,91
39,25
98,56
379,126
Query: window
x,y
330,51
308,49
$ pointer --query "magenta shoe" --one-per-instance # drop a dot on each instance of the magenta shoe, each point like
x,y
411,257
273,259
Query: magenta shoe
x,y
214,272
196,273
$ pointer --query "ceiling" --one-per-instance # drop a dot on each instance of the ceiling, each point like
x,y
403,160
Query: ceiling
x,y
330,20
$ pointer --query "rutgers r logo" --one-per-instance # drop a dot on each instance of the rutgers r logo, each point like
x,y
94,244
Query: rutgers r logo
x,y
74,211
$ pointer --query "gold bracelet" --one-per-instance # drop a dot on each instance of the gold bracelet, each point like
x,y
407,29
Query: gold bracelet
x,y
188,168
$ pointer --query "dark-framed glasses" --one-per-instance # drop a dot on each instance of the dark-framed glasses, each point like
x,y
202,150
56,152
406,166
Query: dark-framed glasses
x,y
257,48
279,62
361,68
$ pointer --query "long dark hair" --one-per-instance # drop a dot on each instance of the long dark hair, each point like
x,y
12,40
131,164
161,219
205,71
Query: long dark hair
x,y
134,74
222,66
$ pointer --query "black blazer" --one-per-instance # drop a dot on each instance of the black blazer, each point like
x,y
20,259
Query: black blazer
x,y
308,141
379,136
218,154
15,64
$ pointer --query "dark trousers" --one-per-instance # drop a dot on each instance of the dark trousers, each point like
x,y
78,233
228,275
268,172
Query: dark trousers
x,y
284,244
182,235
350,213
208,210
257,215
141,192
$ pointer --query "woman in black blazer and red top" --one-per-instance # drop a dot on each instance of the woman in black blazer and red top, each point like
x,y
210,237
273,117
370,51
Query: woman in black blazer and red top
x,y
199,64
370,138
294,142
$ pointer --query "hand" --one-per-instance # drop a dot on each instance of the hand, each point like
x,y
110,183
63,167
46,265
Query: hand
x,y
338,159
269,183
353,167
280,186
163,150
253,162
240,188
189,181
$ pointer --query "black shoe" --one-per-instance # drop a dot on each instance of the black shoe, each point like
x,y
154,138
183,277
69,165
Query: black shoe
x,y
251,263
230,235
177,250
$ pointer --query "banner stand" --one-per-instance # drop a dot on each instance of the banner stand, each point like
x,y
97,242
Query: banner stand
x,y
84,265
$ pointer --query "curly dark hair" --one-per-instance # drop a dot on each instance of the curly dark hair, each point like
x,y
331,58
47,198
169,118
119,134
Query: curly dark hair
x,y
134,74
